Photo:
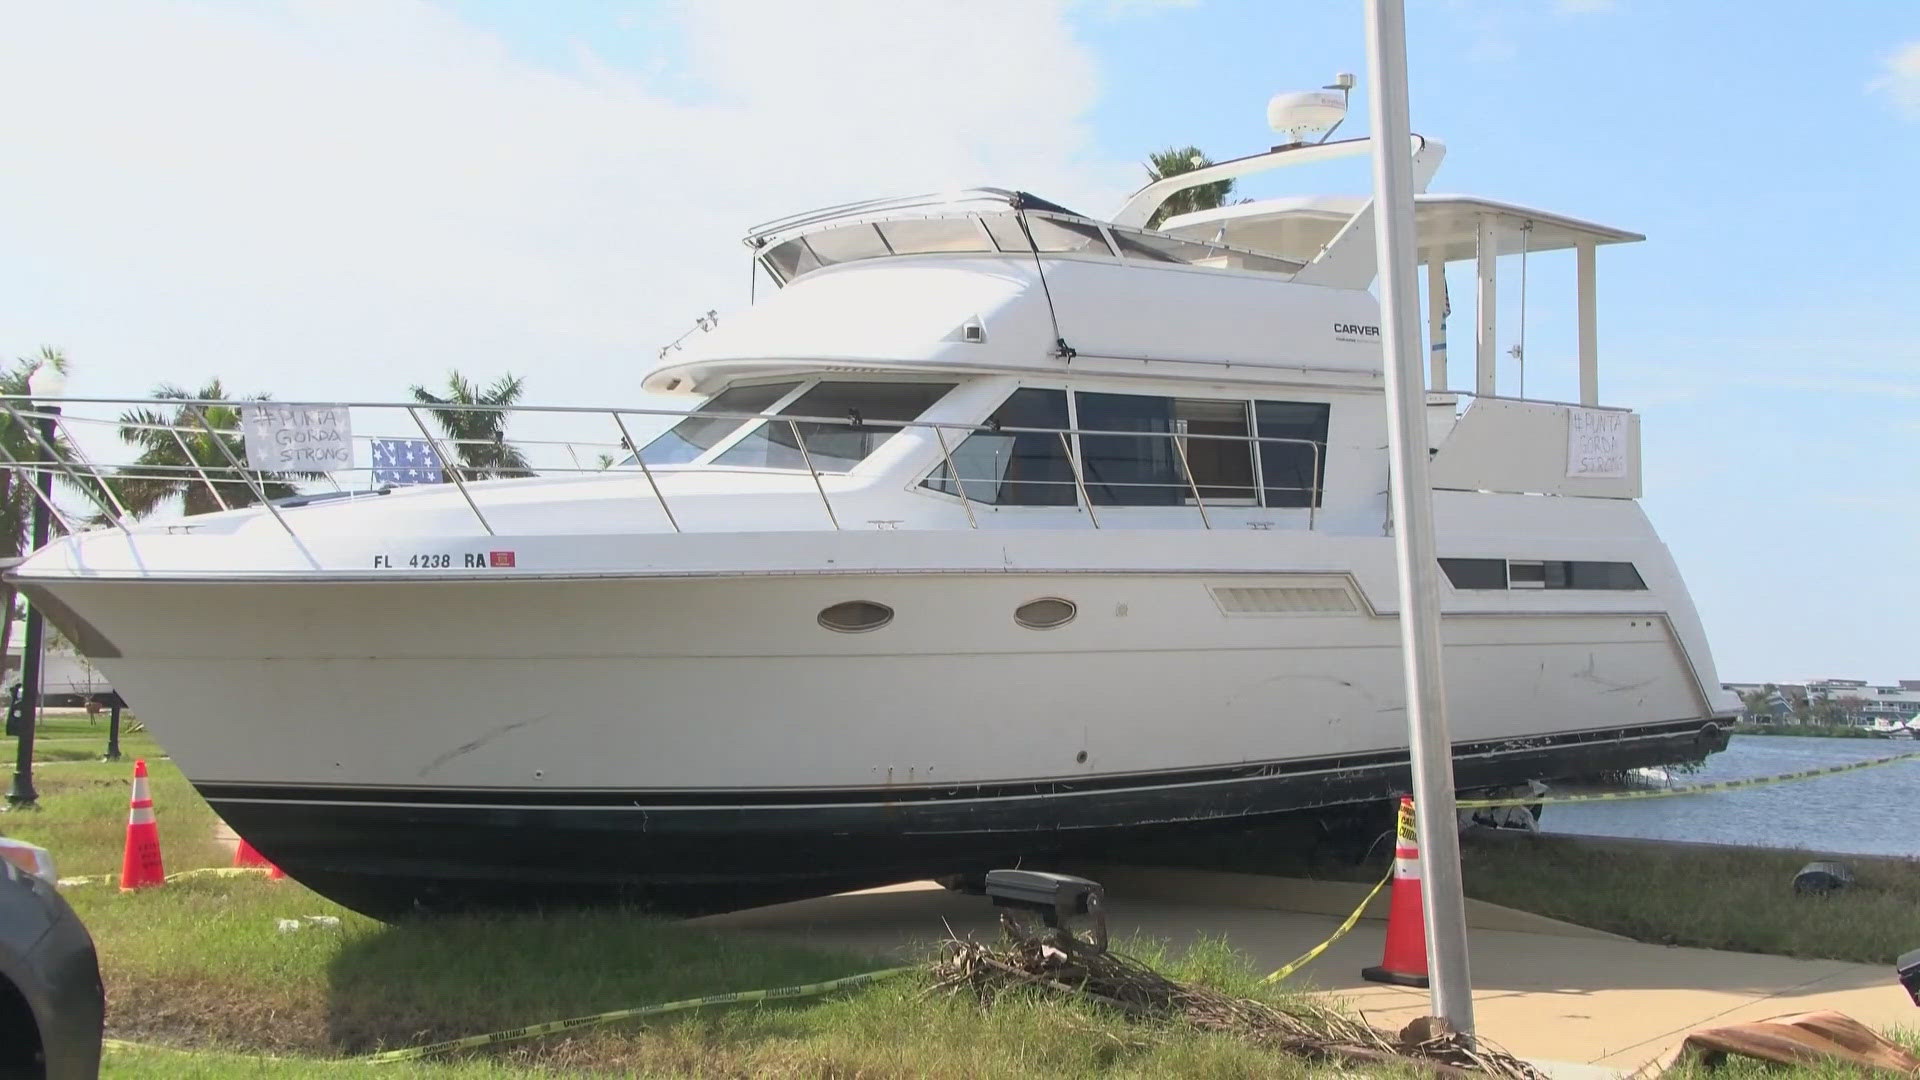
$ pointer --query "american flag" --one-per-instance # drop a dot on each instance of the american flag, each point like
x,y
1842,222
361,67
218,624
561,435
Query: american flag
x,y
400,462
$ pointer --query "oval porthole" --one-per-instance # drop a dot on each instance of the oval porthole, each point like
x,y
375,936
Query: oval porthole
x,y
1045,614
856,616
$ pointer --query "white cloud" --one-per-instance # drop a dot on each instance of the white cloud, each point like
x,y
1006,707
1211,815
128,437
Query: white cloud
x,y
1900,79
327,200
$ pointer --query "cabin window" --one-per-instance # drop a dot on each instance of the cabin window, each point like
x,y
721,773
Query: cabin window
x,y
698,434
1293,473
834,445
1014,468
1047,613
1576,574
1212,437
1476,573
855,616
1147,469
1542,574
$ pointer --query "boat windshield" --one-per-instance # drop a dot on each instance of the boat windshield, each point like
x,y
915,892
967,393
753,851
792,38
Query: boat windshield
x,y
830,445
981,233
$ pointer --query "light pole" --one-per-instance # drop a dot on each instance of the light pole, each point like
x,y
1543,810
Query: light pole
x,y
46,381
1429,745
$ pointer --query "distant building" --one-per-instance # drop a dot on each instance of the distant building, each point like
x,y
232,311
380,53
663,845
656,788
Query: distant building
x,y
1899,702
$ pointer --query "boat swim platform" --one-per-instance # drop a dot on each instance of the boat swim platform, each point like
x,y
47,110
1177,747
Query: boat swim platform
x,y
1545,990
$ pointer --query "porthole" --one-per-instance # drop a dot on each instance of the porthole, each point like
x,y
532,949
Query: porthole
x,y
1045,614
856,616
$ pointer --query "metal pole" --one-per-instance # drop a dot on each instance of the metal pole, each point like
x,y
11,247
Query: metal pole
x,y
1487,303
21,795
1589,337
1412,501
113,730
635,447
800,441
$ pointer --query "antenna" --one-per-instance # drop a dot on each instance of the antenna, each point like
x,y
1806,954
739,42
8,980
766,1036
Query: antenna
x,y
703,323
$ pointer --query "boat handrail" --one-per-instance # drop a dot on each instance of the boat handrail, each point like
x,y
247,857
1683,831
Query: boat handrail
x,y
224,475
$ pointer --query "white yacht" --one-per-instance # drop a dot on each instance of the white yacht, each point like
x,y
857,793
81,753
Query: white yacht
x,y
996,531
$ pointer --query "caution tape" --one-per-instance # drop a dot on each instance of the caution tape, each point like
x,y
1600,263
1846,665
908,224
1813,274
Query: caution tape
x,y
597,1019
1690,789
205,871
1311,954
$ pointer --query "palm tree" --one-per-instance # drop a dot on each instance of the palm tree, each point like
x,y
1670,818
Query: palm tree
x,y
1173,161
479,436
165,468
16,498
1758,704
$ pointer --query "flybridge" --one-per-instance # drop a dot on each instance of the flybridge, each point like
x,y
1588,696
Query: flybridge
x,y
981,221
1315,240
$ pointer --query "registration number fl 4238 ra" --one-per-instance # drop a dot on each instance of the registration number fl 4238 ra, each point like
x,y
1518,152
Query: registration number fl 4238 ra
x,y
445,560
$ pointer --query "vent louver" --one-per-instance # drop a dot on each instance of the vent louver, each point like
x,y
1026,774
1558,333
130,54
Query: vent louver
x,y
1285,600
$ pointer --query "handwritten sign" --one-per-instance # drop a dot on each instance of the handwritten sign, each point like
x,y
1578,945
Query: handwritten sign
x,y
1596,443
298,438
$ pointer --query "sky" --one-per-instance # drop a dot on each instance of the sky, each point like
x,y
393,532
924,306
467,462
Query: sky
x,y
335,200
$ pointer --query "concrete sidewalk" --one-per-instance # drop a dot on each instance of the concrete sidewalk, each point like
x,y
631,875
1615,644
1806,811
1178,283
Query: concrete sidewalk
x,y
1543,990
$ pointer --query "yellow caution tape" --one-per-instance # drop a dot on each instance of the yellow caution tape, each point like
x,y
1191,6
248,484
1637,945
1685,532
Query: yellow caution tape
x,y
1309,956
530,1031
204,871
1691,789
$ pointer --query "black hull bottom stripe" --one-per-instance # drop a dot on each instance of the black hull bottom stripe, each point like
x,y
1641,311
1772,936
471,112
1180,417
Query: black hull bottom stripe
x,y
645,799
391,859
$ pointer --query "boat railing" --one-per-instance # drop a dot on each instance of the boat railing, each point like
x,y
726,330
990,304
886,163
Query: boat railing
x,y
154,457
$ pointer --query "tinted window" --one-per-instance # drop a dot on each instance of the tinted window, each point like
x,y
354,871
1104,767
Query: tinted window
x,y
791,259
1536,574
1147,469
1129,470
1005,468
698,434
1593,575
1476,573
1293,473
834,446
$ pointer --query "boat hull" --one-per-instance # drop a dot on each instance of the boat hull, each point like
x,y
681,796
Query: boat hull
x,y
697,743
393,852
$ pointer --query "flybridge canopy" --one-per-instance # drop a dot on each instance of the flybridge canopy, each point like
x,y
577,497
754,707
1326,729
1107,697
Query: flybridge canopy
x,y
1448,226
982,221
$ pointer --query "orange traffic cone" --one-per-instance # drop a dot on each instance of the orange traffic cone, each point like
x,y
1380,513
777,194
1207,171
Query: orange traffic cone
x,y
244,854
1405,959
141,866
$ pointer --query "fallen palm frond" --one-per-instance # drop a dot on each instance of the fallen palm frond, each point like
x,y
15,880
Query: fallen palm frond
x,y
1305,1027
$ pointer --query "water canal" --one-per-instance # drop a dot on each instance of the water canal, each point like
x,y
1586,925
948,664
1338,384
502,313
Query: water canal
x,y
1868,812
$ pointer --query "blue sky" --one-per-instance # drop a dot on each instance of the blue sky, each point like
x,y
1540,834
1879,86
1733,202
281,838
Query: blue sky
x,y
337,199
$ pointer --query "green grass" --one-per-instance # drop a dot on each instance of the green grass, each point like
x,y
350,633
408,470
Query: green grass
x,y
200,966
1739,900
65,735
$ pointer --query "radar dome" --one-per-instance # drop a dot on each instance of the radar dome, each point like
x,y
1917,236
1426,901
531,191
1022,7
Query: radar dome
x,y
1306,112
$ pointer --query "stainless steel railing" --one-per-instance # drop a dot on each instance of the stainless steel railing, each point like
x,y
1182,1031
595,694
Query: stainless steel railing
x,y
1094,471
